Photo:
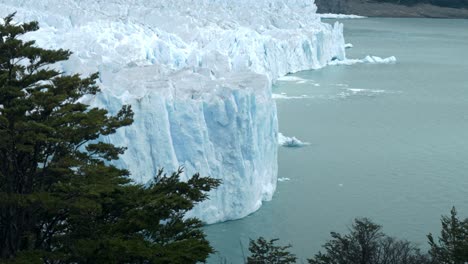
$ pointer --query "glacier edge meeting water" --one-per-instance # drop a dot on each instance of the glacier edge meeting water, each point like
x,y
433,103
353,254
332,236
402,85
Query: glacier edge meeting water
x,y
199,82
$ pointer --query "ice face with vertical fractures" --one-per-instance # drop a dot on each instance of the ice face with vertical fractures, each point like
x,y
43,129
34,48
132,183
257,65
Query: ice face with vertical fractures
x,y
198,75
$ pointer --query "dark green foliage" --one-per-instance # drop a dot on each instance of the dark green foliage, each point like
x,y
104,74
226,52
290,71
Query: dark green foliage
x,y
452,247
60,200
266,252
367,244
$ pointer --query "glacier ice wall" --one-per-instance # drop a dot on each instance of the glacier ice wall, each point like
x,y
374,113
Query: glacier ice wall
x,y
198,75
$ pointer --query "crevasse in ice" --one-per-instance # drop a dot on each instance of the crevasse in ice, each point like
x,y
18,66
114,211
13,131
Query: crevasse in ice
x,y
198,75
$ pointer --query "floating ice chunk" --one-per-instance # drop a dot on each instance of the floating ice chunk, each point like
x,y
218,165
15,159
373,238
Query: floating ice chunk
x,y
339,16
372,91
348,45
348,92
356,90
367,59
296,79
284,96
375,59
290,142
289,78
283,179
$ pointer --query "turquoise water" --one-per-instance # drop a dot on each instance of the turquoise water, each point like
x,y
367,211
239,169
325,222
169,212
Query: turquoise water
x,y
389,142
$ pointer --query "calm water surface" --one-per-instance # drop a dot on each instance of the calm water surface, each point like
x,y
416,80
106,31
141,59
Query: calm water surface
x,y
389,142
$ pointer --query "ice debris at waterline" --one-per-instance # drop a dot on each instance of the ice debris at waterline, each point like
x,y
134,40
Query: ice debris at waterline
x,y
349,92
339,16
296,79
290,78
290,142
367,59
285,96
198,75
348,46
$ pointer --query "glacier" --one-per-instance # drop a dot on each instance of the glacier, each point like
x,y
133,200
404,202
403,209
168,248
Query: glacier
x,y
198,74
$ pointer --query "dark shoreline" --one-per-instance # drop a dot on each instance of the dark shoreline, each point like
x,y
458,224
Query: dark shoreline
x,y
374,9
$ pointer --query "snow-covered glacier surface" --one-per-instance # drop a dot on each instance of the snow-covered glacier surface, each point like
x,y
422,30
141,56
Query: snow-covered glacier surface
x,y
198,75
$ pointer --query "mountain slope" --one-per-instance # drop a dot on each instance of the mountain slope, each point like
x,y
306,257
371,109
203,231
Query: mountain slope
x,y
396,8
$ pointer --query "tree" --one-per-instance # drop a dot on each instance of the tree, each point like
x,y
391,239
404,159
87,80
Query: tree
x,y
266,252
367,244
60,199
452,247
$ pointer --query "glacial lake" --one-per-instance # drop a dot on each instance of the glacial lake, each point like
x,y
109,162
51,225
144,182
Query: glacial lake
x,y
387,141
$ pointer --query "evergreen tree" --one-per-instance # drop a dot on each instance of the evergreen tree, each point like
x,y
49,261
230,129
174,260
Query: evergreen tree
x,y
452,247
60,200
367,244
266,252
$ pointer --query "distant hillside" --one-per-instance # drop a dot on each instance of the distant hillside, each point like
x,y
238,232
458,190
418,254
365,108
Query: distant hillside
x,y
397,8
441,3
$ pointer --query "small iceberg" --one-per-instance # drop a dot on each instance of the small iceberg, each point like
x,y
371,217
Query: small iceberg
x,y
348,92
283,179
339,16
290,142
348,45
356,90
285,96
376,60
368,59
296,79
290,78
